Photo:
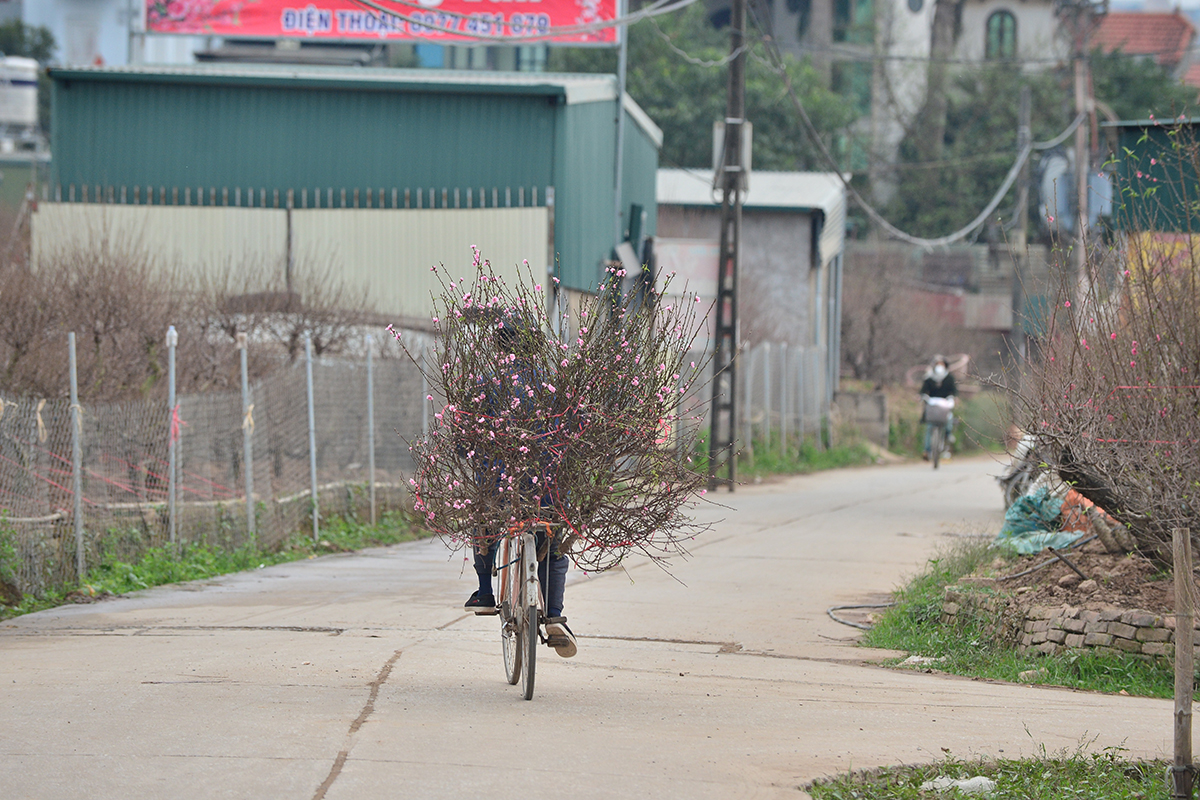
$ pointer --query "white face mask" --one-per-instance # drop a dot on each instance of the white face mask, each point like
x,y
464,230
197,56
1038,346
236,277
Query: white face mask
x,y
939,372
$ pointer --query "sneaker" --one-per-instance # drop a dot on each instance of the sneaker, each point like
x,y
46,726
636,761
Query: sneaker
x,y
481,605
559,636
925,456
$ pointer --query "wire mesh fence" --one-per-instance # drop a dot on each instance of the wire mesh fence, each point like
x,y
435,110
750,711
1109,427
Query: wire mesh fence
x,y
785,393
125,456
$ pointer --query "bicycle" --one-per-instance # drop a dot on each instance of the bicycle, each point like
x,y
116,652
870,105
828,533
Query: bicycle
x,y
522,604
939,412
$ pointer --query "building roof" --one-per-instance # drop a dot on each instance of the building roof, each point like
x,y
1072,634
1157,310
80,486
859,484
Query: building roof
x,y
1164,36
573,88
1192,76
809,192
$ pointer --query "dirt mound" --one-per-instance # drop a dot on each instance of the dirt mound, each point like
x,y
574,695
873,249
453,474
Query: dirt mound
x,y
1124,581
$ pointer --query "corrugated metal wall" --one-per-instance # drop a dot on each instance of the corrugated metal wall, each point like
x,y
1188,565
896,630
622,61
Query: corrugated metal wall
x,y
188,237
639,173
585,162
389,252
392,251
155,132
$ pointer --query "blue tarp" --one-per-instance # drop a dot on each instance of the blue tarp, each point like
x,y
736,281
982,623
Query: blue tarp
x,y
1031,524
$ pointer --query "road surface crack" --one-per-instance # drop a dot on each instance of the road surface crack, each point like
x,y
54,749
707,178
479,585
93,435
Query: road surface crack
x,y
358,722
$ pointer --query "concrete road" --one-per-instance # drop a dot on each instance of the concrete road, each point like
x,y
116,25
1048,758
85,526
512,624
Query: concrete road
x,y
358,676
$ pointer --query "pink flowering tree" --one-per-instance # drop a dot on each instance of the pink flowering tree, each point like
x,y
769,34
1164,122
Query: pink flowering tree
x,y
1113,395
581,421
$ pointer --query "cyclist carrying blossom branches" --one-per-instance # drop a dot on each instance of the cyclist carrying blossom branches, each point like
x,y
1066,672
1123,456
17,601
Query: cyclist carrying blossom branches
x,y
514,340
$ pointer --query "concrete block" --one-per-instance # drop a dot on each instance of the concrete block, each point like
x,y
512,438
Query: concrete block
x,y
1074,640
1089,616
1128,645
1093,639
1074,625
1153,635
1122,630
1155,648
1110,614
1039,625
950,609
1048,648
1040,612
1039,637
1141,619
1057,635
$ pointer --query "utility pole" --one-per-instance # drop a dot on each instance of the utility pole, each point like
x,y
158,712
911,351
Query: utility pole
x,y
722,451
1020,238
1081,14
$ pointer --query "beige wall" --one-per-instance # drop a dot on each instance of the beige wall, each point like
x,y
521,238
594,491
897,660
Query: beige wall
x,y
389,251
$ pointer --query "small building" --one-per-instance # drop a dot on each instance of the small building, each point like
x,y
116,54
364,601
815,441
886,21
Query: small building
x,y
793,234
351,164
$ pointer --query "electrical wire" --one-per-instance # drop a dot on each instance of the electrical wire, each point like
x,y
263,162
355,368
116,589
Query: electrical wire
x,y
654,9
851,623
892,230
699,62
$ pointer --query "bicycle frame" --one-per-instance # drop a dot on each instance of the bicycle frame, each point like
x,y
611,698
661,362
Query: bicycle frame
x,y
522,605
505,558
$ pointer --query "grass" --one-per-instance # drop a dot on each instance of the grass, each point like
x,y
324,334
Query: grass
x,y
1097,776
801,457
913,626
158,566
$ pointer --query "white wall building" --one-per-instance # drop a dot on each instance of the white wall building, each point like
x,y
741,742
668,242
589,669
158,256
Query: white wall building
x,y
98,33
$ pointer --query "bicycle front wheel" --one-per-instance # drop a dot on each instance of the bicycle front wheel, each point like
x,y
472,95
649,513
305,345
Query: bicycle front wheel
x,y
528,611
935,444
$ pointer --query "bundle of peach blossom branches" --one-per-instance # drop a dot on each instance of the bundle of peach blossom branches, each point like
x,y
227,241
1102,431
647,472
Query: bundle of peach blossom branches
x,y
582,421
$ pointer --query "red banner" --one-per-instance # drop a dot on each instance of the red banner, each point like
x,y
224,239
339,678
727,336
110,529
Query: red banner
x,y
476,21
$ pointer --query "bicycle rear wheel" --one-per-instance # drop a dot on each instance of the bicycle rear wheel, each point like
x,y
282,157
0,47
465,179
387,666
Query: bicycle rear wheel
x,y
510,605
935,444
510,641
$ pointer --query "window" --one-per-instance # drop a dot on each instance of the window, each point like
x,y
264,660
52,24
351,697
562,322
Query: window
x,y
854,21
1001,41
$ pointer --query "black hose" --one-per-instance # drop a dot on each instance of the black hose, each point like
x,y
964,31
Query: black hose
x,y
858,625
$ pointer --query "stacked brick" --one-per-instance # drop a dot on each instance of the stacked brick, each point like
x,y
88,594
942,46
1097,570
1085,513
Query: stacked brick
x,y
1052,629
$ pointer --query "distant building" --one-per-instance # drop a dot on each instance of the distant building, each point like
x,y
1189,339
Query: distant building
x,y
793,234
1167,38
876,55
381,173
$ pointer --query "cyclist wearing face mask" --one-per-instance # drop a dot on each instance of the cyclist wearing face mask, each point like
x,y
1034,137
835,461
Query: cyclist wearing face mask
x,y
939,382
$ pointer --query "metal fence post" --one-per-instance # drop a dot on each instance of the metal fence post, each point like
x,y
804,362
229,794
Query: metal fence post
x,y
747,415
371,424
173,435
767,396
424,387
77,460
784,408
247,436
312,437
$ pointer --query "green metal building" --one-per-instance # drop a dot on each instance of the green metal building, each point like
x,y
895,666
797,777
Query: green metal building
x,y
1155,175
248,135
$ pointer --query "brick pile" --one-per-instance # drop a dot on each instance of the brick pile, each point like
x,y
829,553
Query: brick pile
x,y
1053,629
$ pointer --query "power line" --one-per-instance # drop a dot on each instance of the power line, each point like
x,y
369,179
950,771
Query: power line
x,y
962,233
654,9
